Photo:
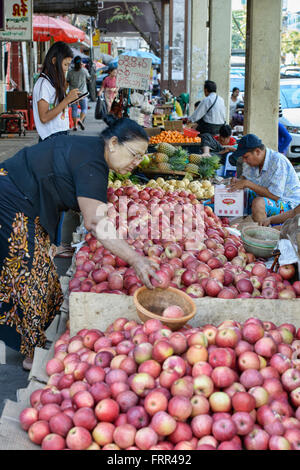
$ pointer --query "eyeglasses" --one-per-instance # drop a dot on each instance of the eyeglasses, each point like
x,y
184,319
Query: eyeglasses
x,y
137,156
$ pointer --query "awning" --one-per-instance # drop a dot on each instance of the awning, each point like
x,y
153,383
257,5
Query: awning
x,y
46,28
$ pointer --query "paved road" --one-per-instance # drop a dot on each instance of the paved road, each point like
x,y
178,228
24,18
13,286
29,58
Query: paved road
x,y
12,375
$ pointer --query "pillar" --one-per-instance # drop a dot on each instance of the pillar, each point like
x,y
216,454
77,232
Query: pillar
x,y
198,50
16,64
220,21
2,78
263,70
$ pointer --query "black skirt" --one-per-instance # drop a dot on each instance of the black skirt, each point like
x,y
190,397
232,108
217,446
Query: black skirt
x,y
30,292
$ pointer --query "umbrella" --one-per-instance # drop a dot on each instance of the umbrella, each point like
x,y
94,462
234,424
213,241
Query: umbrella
x,y
46,27
77,52
144,54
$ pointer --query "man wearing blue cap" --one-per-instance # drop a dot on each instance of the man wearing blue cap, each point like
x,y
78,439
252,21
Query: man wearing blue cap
x,y
273,184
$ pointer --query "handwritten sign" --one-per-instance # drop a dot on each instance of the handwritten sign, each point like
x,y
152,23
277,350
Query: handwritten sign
x,y
133,72
17,21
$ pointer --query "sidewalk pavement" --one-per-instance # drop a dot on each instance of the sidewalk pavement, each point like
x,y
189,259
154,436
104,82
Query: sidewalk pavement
x,y
9,145
12,375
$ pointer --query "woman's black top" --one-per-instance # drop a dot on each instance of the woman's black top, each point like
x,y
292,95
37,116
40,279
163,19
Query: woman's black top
x,y
54,173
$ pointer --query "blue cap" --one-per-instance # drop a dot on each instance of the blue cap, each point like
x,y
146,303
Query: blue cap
x,y
247,143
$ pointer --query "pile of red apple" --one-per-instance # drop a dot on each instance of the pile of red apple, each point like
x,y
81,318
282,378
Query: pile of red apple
x,y
231,387
218,267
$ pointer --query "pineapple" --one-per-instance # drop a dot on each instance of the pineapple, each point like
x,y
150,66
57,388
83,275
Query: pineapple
x,y
195,158
161,157
191,167
168,149
164,166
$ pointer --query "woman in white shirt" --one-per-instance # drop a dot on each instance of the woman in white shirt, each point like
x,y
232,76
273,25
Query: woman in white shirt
x,y
235,98
50,102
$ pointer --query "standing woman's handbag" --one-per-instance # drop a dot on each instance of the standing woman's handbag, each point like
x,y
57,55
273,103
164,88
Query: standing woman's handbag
x,y
101,108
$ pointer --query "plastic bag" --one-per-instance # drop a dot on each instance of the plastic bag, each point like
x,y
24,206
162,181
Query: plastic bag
x,y
136,99
101,107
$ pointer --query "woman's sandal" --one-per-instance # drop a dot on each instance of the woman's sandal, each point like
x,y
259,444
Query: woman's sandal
x,y
64,252
81,125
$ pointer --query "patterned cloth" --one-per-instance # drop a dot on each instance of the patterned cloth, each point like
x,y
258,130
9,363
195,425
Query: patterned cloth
x,y
272,207
30,294
278,176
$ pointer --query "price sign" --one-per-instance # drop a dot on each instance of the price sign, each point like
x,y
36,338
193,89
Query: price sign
x,y
133,72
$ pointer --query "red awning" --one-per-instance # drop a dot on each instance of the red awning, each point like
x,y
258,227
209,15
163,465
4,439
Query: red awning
x,y
46,28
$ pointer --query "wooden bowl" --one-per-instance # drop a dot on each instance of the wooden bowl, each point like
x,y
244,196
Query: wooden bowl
x,y
151,303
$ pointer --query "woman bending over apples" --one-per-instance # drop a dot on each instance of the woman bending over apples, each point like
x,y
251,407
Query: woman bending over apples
x,y
37,184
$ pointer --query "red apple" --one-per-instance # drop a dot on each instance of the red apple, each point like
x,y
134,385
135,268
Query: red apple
x,y
244,422
287,271
224,429
138,417
155,401
163,424
201,425
180,408
243,401
251,378
29,416
257,439
103,433
53,442
60,424
220,402
227,338
107,410
124,436
173,311
223,376
78,438
38,431
145,438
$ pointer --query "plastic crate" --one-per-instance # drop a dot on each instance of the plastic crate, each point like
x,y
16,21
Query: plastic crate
x,y
190,132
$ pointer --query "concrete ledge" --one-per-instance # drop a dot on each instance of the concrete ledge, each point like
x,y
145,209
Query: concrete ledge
x,y
91,310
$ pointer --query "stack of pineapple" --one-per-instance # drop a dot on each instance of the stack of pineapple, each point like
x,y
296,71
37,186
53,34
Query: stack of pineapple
x,y
169,157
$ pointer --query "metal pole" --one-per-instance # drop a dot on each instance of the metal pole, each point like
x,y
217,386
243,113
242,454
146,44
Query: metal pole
x,y
91,39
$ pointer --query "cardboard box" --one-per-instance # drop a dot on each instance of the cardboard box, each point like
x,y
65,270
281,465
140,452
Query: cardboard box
x,y
173,126
228,204
151,131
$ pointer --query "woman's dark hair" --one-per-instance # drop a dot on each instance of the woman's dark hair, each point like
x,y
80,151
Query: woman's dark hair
x,y
210,86
111,68
60,51
225,130
124,129
234,89
77,63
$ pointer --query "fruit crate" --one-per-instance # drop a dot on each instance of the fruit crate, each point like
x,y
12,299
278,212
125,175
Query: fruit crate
x,y
173,126
163,172
92,310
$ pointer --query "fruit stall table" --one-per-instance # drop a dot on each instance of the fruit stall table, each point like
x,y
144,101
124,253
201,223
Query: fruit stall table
x,y
107,311
90,310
